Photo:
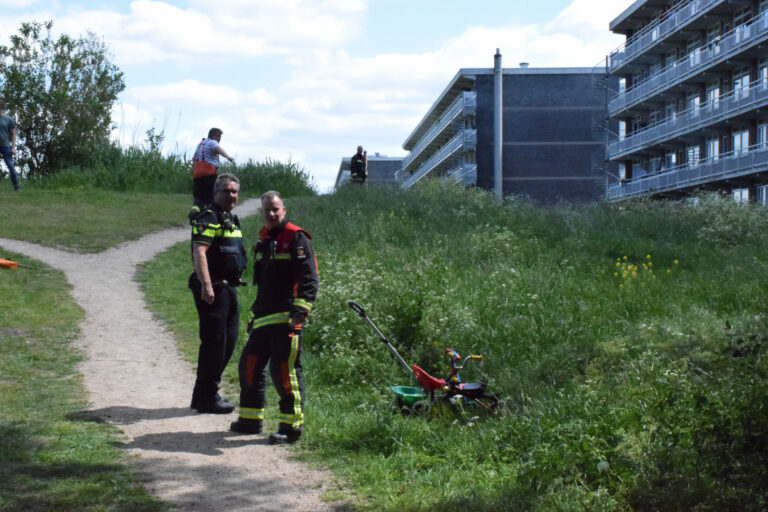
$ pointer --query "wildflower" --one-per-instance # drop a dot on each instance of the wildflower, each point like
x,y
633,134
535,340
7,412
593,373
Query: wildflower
x,y
676,262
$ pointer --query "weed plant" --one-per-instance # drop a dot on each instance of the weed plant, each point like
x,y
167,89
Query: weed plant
x,y
627,342
53,456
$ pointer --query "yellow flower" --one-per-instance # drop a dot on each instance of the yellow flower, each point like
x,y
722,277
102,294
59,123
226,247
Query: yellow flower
x,y
676,262
647,256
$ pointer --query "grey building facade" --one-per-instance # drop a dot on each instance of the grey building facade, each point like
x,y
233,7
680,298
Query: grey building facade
x,y
554,134
692,99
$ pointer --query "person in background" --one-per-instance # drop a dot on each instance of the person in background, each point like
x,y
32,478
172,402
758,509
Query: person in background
x,y
8,143
285,270
205,166
358,166
219,259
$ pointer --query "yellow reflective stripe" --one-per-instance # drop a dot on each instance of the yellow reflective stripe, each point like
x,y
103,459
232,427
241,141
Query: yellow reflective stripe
x,y
298,417
282,256
276,318
303,304
251,414
231,234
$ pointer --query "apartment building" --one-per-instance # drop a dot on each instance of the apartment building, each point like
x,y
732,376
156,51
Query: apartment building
x,y
553,126
692,98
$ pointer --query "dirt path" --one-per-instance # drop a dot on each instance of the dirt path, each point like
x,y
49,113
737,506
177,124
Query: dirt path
x,y
137,381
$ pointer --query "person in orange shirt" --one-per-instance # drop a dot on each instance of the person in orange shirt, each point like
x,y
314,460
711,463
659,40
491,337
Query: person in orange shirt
x,y
205,166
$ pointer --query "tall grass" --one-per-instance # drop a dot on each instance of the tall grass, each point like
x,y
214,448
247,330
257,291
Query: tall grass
x,y
146,169
627,342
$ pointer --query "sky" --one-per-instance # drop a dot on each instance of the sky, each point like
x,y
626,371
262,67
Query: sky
x,y
310,80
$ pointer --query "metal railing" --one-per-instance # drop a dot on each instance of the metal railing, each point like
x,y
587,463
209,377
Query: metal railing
x,y
695,118
734,42
657,30
465,174
466,139
465,104
725,166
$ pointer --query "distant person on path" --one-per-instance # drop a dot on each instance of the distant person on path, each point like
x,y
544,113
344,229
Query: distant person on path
x,y
358,166
8,143
205,166
219,259
285,270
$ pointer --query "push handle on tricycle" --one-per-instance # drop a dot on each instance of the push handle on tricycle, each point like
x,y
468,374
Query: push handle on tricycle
x,y
357,308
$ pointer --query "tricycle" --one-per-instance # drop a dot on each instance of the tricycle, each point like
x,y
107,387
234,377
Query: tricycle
x,y
433,394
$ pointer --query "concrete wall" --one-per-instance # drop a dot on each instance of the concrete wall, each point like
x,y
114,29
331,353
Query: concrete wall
x,y
554,140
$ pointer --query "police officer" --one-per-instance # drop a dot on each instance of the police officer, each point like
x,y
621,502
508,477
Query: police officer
x,y
219,259
285,271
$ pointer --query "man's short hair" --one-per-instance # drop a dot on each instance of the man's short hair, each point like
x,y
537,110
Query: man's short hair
x,y
214,132
224,178
270,194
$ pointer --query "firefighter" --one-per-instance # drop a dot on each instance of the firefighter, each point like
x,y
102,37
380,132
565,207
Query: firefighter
x,y
285,270
219,259
358,166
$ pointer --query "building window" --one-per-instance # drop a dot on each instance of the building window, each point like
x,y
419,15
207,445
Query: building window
x,y
762,73
741,29
670,110
713,149
693,154
654,164
713,95
670,160
469,157
741,195
762,7
740,84
654,117
761,196
762,134
740,141
692,103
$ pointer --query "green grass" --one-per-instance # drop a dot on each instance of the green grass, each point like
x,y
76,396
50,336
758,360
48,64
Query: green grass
x,y
627,342
52,455
86,219
624,386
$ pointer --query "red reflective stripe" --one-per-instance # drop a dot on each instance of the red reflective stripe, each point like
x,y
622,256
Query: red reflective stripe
x,y
251,360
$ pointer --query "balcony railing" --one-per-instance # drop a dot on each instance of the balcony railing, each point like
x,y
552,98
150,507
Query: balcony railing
x,y
464,174
725,166
731,44
657,30
466,139
716,110
464,105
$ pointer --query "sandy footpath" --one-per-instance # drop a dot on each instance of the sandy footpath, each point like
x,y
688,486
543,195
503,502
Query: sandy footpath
x,y
137,381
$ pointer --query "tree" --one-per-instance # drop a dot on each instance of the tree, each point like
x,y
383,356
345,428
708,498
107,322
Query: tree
x,y
61,94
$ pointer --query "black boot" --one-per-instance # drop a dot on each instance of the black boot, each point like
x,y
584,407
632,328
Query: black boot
x,y
284,437
217,405
246,426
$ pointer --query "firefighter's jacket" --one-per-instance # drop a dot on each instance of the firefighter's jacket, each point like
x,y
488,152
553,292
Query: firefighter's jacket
x,y
220,230
285,270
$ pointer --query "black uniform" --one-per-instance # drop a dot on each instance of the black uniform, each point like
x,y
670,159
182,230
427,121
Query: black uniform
x,y
357,168
285,271
219,321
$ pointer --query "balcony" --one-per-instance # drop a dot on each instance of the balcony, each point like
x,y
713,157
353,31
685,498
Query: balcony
x,y
726,166
658,30
442,160
730,45
465,104
465,174
695,118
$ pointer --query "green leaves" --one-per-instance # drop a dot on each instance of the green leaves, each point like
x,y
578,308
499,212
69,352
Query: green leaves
x,y
60,92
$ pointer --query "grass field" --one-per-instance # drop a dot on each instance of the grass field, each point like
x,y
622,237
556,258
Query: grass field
x,y
626,341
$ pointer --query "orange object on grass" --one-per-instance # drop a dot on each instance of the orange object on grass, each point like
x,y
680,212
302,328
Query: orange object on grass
x,y
8,264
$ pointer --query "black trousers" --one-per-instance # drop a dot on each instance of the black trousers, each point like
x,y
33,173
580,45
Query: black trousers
x,y
219,326
279,347
202,190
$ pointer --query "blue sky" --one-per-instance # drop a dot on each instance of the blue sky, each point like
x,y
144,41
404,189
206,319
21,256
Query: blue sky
x,y
309,80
